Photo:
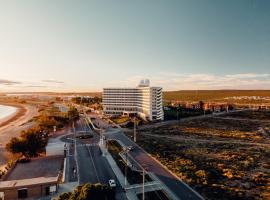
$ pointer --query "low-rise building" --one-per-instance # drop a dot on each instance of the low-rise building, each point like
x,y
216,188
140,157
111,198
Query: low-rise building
x,y
32,180
33,188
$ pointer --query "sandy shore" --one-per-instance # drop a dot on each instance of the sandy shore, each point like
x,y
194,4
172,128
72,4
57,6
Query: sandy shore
x,y
21,110
13,125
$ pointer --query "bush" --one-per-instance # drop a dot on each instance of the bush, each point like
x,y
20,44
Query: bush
x,y
73,113
89,192
30,143
24,160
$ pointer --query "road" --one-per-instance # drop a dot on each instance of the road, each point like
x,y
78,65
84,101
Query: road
x,y
179,188
92,166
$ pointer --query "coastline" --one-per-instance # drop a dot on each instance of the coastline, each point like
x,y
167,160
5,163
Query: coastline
x,y
13,125
21,111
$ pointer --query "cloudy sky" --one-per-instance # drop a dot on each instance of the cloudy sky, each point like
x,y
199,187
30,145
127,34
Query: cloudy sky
x,y
65,45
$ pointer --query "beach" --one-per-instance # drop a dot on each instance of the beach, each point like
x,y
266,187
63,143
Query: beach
x,y
12,126
19,111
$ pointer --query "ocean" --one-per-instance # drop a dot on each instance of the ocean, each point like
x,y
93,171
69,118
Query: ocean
x,y
5,111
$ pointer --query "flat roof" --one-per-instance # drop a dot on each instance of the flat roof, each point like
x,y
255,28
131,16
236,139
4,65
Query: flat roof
x,y
130,88
43,167
27,182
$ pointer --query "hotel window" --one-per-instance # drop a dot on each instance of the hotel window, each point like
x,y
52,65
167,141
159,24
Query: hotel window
x,y
22,193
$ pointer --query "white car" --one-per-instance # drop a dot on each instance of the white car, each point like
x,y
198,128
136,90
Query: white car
x,y
112,183
130,148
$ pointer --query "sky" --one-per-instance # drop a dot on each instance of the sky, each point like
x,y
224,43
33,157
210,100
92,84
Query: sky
x,y
83,46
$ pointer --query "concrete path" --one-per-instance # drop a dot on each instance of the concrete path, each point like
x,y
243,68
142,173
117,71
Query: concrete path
x,y
121,178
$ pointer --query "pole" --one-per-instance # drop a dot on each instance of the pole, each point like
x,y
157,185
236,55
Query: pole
x,y
75,152
100,138
135,139
143,187
74,131
126,170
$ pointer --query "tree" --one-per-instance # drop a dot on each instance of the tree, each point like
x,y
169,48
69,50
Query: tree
x,y
35,142
30,143
16,145
46,122
73,113
89,192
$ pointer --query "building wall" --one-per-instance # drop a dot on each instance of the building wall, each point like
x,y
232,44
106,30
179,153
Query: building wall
x,y
147,102
34,192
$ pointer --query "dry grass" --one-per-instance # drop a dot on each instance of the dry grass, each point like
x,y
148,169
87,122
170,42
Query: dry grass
x,y
209,95
235,169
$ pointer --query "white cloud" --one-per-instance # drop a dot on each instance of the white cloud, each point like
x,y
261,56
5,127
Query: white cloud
x,y
205,81
52,81
8,82
248,75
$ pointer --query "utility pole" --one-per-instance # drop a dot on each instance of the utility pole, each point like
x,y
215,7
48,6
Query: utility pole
x,y
135,139
73,127
143,186
75,152
126,169
101,137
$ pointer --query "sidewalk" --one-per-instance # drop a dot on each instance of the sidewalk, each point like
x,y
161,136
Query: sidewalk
x,y
63,188
121,178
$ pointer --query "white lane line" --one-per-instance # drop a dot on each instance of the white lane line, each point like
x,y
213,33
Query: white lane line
x,y
93,163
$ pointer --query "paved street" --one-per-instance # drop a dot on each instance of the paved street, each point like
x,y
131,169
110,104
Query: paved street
x,y
179,188
92,166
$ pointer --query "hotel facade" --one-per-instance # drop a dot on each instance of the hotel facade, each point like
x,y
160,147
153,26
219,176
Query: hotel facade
x,y
143,100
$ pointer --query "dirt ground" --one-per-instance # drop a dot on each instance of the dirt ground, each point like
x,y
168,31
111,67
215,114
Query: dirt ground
x,y
220,158
218,127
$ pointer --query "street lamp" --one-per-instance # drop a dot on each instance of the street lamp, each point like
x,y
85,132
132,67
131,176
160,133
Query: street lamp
x,y
126,151
143,171
135,139
143,185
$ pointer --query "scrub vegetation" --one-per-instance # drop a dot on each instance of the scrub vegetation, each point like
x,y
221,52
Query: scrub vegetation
x,y
216,155
89,192
33,141
221,95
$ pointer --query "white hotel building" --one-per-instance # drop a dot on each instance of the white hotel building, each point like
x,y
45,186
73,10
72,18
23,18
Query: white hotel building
x,y
143,100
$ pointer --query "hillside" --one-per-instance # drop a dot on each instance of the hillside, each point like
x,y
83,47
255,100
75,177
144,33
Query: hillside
x,y
209,95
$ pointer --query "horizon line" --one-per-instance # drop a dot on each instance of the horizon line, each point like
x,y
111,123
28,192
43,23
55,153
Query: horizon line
x,y
36,92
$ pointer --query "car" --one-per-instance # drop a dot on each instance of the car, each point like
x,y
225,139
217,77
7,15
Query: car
x,y
130,148
112,183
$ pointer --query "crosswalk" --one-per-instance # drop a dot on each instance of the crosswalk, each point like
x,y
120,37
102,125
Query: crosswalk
x,y
87,145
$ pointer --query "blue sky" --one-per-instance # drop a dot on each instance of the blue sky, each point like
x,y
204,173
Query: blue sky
x,y
67,45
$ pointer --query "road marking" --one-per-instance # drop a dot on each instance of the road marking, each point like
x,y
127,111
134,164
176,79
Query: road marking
x,y
87,145
93,163
76,155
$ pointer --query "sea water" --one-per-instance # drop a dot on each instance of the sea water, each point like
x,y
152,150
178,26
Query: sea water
x,y
5,111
